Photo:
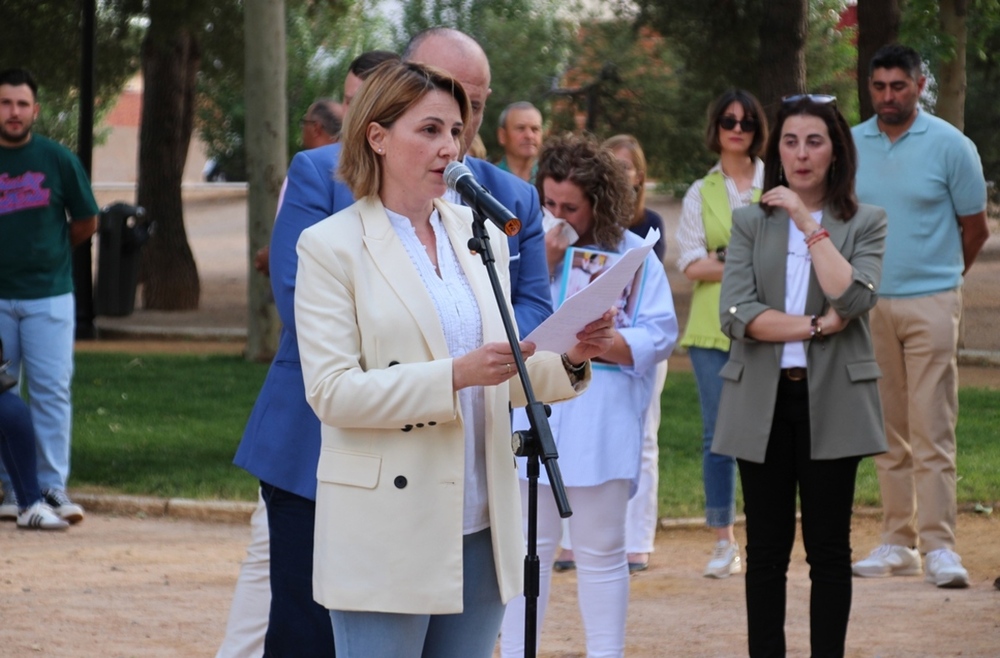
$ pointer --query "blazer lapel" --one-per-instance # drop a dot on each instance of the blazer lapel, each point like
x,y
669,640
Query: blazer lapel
x,y
392,260
774,257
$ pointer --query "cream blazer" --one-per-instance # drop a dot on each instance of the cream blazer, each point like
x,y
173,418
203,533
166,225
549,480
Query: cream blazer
x,y
379,377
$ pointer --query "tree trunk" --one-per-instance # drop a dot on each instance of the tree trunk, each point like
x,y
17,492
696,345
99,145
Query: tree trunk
x,y
878,24
951,76
170,59
267,158
783,30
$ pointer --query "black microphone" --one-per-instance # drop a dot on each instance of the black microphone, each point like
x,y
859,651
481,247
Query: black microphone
x,y
458,177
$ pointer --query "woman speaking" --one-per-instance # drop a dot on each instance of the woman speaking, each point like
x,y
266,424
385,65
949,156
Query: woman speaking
x,y
418,528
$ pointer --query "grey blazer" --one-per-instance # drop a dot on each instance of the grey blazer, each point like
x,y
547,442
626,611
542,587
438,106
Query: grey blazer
x,y
845,414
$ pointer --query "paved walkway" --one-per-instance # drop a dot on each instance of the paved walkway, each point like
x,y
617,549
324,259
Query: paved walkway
x,y
216,226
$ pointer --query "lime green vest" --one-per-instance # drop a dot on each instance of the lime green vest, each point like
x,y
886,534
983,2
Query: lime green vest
x,y
703,322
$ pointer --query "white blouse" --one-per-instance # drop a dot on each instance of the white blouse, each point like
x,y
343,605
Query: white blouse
x,y
458,312
798,266
691,231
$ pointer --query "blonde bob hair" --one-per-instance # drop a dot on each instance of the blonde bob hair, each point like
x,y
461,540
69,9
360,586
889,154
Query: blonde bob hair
x,y
389,91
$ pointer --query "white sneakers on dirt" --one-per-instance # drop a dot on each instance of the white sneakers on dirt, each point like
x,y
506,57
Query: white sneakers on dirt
x,y
40,517
944,569
725,560
888,560
62,505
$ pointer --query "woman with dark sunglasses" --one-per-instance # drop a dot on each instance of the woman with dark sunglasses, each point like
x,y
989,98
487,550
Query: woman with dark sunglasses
x,y
800,404
737,131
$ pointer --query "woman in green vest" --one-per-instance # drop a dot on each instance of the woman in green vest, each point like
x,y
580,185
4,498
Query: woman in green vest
x,y
737,131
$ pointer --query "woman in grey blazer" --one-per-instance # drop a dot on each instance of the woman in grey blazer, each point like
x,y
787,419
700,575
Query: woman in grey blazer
x,y
800,404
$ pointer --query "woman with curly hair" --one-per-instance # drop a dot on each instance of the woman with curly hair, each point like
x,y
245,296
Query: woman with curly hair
x,y
599,435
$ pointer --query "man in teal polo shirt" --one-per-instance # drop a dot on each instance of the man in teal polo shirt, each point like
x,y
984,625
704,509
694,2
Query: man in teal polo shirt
x,y
928,177
41,184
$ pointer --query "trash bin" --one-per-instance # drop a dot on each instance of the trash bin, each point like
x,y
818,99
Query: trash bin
x,y
120,236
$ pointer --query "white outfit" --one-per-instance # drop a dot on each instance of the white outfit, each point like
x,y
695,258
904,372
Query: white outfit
x,y
642,514
251,604
599,436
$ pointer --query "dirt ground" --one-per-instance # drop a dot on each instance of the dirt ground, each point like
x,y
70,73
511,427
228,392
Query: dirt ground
x,y
139,586
123,587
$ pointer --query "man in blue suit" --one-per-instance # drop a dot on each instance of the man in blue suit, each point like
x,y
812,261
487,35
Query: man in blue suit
x,y
281,443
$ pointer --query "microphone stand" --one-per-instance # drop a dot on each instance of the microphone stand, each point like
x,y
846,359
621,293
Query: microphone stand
x,y
535,443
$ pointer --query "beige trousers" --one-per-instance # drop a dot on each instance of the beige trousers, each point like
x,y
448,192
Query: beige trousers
x,y
916,344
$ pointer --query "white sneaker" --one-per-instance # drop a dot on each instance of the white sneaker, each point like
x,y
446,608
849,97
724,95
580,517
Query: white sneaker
x,y
725,560
62,505
40,517
944,569
9,509
888,560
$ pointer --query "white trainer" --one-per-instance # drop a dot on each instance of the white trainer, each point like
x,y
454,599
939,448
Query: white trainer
x,y
725,560
888,560
62,505
944,569
9,509
40,517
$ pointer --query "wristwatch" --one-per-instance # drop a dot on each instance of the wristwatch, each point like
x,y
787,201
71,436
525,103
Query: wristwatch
x,y
575,372
720,254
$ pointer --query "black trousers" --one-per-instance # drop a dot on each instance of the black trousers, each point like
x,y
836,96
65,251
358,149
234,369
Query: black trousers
x,y
826,491
297,627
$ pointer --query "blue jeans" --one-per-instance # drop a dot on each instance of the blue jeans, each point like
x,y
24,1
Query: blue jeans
x,y
718,471
469,634
17,448
38,339
297,626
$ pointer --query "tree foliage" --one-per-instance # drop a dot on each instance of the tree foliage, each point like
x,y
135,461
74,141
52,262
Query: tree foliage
x,y
46,38
717,44
528,43
322,37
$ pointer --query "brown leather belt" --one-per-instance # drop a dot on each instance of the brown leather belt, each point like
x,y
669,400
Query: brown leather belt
x,y
794,374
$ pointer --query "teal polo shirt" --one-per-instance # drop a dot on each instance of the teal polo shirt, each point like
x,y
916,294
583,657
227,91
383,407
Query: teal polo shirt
x,y
41,183
929,177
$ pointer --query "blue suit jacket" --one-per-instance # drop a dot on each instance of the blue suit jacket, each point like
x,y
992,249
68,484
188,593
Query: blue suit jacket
x,y
281,443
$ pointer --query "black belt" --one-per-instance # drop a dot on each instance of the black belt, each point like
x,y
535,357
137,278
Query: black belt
x,y
794,374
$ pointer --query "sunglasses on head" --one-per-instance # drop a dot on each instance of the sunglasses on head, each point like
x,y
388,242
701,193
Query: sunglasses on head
x,y
746,124
819,99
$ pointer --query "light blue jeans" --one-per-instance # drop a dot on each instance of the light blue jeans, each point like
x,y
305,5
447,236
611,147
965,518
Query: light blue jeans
x,y
469,634
718,471
38,339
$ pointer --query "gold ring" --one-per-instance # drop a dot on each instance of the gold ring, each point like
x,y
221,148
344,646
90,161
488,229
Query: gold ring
x,y
508,368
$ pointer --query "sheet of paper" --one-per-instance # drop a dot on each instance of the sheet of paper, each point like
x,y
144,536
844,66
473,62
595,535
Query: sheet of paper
x,y
558,332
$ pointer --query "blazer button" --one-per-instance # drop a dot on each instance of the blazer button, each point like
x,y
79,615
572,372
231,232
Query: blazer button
x,y
420,425
400,482
732,310
432,423
407,427
871,286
